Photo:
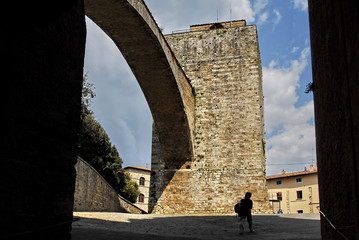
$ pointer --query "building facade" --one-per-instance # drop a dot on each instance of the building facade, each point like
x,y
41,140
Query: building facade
x,y
223,65
141,176
295,192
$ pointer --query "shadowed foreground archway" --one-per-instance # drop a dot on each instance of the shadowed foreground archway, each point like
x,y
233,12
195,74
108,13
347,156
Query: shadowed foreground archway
x,y
335,60
44,51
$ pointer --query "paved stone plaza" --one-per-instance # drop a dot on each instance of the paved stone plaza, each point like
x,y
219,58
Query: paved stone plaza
x,y
110,226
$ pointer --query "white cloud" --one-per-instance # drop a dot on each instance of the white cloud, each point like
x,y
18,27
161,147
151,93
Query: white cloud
x,y
179,15
240,10
291,137
305,54
278,16
293,145
279,90
259,5
301,4
295,49
262,18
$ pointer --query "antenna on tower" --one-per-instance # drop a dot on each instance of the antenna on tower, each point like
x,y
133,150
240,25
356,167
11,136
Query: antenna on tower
x,y
313,156
230,14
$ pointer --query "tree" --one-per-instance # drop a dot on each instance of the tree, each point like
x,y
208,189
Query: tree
x,y
130,190
95,147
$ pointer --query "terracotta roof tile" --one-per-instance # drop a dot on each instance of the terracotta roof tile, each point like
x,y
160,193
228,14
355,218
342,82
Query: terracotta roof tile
x,y
291,174
139,168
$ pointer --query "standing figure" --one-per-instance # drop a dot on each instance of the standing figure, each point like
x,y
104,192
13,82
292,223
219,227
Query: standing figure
x,y
245,212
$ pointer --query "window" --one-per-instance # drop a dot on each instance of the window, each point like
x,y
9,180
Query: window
x,y
141,198
298,180
300,211
142,181
299,194
279,196
279,182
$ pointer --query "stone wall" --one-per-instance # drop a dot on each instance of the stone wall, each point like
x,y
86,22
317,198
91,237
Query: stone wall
x,y
93,193
224,69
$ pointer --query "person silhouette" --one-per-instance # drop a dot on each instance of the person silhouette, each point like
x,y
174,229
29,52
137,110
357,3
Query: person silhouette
x,y
245,212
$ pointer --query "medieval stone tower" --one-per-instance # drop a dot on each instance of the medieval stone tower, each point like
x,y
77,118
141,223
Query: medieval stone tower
x,y
222,62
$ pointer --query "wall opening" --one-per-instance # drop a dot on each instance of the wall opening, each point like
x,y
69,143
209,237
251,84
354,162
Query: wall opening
x,y
119,105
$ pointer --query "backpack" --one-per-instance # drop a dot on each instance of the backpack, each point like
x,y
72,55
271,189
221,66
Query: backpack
x,y
237,207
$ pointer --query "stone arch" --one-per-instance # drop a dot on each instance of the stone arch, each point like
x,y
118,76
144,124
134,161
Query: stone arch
x,y
165,86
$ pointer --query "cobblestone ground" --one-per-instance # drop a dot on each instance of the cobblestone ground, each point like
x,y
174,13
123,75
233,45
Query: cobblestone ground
x,y
110,226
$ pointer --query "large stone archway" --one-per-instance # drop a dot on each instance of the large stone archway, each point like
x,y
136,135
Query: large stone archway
x,y
166,88
44,50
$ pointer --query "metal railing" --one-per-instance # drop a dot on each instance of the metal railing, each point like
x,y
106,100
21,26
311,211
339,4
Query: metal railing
x,y
181,31
335,228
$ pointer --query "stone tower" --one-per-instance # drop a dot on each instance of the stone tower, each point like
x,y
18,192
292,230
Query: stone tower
x,y
222,62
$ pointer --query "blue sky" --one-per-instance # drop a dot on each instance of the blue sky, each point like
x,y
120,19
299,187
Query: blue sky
x,y
283,32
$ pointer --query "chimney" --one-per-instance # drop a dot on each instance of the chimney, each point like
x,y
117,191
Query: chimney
x,y
311,168
283,172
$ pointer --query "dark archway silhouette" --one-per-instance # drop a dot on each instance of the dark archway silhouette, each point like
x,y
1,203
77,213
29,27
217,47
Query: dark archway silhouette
x,y
44,51
335,61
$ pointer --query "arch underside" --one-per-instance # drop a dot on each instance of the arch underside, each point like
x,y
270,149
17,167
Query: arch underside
x,y
166,88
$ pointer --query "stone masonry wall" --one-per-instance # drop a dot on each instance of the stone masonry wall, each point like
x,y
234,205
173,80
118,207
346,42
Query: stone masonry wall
x,y
224,68
93,193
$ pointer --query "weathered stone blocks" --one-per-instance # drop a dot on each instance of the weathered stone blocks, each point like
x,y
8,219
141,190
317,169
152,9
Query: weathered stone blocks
x,y
93,193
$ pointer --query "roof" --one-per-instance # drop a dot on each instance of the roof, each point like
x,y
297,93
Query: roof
x,y
293,174
138,168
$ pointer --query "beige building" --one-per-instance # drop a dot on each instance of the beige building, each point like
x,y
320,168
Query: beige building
x,y
141,176
295,192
